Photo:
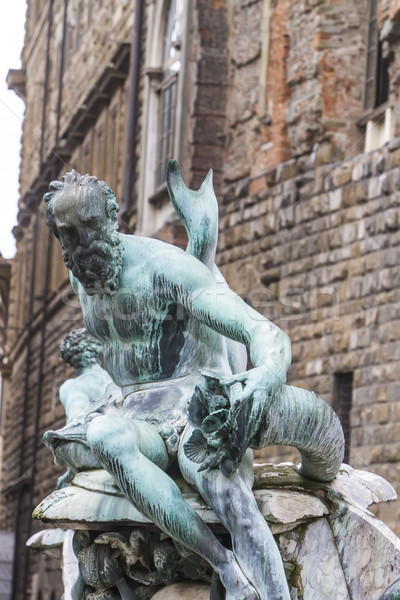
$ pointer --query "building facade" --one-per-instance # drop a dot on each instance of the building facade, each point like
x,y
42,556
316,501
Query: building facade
x,y
294,104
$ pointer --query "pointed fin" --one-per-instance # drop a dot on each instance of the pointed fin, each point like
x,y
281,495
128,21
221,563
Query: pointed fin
x,y
198,211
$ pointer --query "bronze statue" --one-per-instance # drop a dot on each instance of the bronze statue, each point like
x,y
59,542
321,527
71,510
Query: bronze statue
x,y
78,395
173,333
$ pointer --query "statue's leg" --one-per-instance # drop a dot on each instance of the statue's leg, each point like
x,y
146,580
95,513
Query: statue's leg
x,y
233,501
135,454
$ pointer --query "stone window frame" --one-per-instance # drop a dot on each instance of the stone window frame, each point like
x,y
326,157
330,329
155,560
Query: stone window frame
x,y
154,207
166,86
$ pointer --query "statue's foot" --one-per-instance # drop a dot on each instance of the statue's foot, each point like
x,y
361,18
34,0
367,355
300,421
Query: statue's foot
x,y
236,585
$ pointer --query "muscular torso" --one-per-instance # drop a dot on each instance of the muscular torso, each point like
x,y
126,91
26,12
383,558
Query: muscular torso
x,y
147,336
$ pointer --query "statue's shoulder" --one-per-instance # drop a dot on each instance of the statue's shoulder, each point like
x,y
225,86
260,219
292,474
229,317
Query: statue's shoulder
x,y
143,244
161,264
69,387
154,253
85,383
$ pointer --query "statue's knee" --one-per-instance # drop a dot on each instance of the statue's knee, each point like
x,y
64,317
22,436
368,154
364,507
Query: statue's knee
x,y
111,434
101,430
94,431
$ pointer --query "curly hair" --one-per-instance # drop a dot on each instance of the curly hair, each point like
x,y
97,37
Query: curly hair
x,y
80,349
74,179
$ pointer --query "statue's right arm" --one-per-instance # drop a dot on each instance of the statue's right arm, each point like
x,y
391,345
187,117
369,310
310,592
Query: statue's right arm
x,y
196,288
73,399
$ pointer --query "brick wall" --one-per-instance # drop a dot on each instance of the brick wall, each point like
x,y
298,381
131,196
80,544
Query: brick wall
x,y
318,252
314,66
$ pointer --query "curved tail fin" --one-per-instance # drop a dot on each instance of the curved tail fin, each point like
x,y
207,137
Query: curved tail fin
x,y
198,211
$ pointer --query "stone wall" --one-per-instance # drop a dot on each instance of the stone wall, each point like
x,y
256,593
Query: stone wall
x,y
304,87
59,132
318,252
207,88
81,57
309,224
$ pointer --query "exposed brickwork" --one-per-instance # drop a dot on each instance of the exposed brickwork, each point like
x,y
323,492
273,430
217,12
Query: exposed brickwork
x,y
313,232
389,22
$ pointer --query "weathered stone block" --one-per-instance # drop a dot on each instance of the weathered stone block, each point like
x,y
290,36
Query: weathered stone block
x,y
247,45
355,192
362,169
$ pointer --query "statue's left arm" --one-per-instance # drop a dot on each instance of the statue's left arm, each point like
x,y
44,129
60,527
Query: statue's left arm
x,y
225,312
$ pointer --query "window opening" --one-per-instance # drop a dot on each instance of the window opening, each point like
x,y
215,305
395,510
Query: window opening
x,y
342,404
377,74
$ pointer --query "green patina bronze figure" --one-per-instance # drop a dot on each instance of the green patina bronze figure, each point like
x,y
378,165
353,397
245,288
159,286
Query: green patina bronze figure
x,y
78,395
393,592
84,353
173,337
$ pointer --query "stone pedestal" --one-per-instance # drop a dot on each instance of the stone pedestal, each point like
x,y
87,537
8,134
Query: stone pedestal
x,y
333,548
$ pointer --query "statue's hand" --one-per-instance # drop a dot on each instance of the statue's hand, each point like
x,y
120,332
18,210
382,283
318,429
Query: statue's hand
x,y
264,380
227,414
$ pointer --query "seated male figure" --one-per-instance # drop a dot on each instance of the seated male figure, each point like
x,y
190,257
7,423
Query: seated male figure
x,y
162,317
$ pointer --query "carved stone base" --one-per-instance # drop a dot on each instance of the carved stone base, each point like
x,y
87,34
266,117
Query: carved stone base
x,y
333,548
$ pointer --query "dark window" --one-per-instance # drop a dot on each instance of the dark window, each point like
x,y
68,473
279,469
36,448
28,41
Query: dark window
x,y
382,78
112,148
98,151
377,75
342,403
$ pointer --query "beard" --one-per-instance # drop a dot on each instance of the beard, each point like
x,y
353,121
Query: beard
x,y
97,266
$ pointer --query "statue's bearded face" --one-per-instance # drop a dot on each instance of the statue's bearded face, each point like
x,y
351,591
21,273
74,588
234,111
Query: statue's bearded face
x,y
89,240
